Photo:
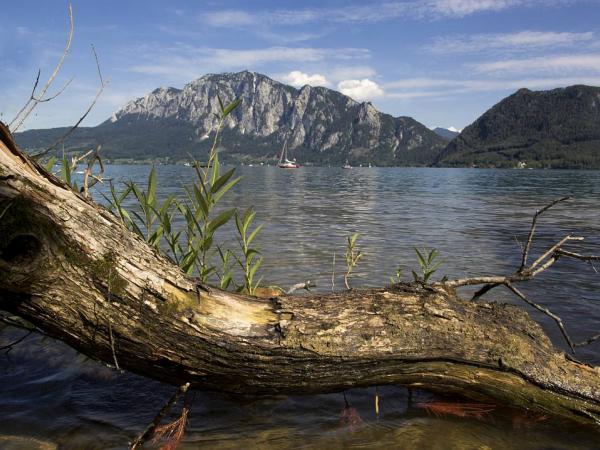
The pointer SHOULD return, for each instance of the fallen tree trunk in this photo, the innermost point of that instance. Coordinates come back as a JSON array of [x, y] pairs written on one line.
[[72, 269]]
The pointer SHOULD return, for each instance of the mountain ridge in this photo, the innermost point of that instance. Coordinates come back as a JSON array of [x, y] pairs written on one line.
[[558, 128], [322, 126]]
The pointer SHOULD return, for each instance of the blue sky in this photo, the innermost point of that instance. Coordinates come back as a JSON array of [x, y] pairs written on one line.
[[443, 62]]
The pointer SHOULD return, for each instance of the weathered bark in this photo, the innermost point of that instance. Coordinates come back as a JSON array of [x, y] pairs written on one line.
[[69, 267]]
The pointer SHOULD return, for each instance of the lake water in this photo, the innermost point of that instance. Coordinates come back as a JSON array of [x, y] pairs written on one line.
[[475, 218]]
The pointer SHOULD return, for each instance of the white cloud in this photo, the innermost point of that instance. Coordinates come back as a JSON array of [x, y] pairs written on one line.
[[383, 11], [461, 8], [560, 64], [229, 18], [411, 88], [299, 79], [184, 63], [522, 40], [364, 89]]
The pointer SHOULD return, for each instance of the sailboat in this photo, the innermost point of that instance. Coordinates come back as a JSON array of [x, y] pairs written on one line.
[[285, 163]]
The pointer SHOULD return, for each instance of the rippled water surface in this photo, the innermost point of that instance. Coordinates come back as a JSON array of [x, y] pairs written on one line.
[[50, 397]]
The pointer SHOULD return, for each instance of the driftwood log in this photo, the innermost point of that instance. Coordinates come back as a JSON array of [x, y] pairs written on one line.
[[71, 269]]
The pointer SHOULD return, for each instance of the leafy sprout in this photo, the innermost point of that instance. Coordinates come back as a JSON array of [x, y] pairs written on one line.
[[251, 259], [352, 255], [429, 263]]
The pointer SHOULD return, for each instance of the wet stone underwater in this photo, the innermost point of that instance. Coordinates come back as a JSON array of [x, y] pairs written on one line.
[[51, 397]]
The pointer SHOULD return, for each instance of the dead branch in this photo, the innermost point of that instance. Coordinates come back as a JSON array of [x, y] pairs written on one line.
[[64, 137], [149, 431], [525, 272], [587, 341], [172, 432], [561, 252], [178, 331], [546, 311], [88, 172], [35, 100], [532, 229]]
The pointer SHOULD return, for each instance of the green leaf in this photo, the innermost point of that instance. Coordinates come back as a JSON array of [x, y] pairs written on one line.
[[224, 189], [250, 253], [220, 220], [215, 167], [221, 103], [187, 262], [225, 281], [136, 229], [421, 258], [125, 215], [248, 219], [50, 163], [201, 201], [154, 240], [66, 170], [231, 107], [254, 234], [432, 255], [254, 268], [138, 217], [139, 195], [238, 224], [218, 184], [151, 194], [206, 243]]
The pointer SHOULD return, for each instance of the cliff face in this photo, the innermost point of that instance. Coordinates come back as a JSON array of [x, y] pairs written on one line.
[[321, 125], [558, 128]]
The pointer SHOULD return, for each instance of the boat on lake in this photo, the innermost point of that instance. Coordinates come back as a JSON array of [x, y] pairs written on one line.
[[347, 165], [284, 162]]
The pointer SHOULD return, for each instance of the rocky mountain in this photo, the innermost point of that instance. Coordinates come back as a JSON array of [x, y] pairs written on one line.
[[322, 126], [556, 129], [446, 133]]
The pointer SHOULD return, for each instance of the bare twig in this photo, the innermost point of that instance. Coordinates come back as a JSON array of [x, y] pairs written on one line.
[[88, 172], [519, 243], [10, 346], [554, 249], [525, 272], [532, 229], [112, 346], [149, 431], [578, 256], [544, 310], [64, 137], [110, 331], [52, 97], [587, 341], [333, 273], [33, 100], [31, 97]]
